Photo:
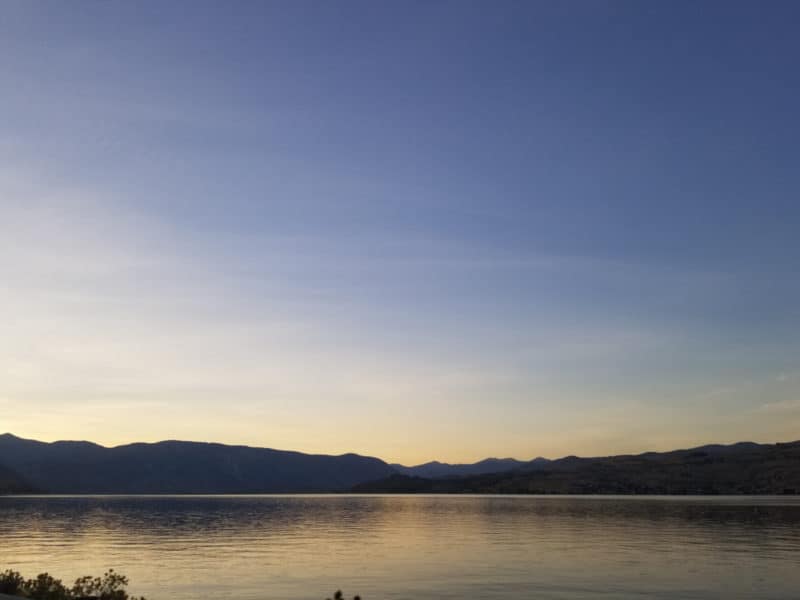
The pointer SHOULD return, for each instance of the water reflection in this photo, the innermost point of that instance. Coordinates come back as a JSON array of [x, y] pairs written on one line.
[[414, 546]]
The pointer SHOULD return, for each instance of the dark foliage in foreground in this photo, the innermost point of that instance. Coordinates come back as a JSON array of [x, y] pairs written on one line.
[[338, 596], [111, 586]]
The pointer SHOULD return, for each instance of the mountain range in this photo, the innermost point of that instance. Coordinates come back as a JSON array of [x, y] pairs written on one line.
[[436, 469], [71, 467], [175, 467], [743, 468]]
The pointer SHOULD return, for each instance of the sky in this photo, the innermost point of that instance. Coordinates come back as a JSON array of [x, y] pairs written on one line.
[[413, 230]]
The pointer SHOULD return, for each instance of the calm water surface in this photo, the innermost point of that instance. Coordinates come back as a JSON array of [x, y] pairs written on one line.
[[394, 547]]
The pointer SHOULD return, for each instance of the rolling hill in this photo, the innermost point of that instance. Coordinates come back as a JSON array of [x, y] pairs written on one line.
[[175, 467], [181, 467], [744, 468]]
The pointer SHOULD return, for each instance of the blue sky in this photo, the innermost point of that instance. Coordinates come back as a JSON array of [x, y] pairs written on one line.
[[415, 230]]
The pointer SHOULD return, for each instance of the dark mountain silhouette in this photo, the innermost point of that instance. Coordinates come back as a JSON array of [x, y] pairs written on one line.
[[194, 467], [12, 483], [181, 467], [743, 468], [436, 469]]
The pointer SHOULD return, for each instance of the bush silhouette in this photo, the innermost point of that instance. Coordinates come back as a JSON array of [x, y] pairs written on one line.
[[111, 586], [338, 596], [11, 582], [45, 587]]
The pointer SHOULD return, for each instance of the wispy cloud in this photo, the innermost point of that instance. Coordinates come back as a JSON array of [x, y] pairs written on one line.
[[781, 406]]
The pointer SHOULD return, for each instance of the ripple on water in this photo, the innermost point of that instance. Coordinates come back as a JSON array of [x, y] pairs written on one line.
[[396, 547]]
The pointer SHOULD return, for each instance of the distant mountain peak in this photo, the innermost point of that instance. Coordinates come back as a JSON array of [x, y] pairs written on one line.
[[436, 468]]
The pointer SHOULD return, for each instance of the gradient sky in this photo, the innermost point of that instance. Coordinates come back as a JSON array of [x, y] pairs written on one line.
[[414, 230]]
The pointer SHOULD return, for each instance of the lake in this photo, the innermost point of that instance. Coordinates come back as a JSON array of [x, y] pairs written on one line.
[[396, 547]]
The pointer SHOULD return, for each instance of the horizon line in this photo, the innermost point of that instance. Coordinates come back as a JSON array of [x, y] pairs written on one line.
[[388, 462]]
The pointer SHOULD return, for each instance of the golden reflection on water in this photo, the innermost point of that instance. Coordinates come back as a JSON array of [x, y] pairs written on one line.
[[396, 547]]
